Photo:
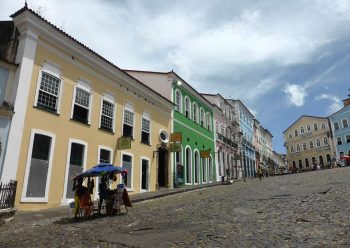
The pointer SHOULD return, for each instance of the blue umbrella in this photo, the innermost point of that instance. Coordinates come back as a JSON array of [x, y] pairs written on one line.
[[102, 169]]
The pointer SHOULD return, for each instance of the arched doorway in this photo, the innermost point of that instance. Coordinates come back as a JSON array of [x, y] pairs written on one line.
[[307, 162], [163, 171], [196, 167], [188, 165], [321, 160]]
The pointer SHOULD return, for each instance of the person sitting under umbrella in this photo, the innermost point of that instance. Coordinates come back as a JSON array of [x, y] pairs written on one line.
[[86, 204]]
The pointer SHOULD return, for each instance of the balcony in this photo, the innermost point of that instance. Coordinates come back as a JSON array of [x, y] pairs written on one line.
[[227, 140]]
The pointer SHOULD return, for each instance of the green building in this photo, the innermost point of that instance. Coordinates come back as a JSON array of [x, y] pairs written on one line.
[[191, 143]]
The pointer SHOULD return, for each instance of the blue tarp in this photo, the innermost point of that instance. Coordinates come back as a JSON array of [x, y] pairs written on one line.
[[102, 169]]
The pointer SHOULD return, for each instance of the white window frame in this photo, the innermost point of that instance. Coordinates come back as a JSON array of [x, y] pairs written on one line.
[[308, 128], [208, 121], [64, 200], [179, 104], [54, 70], [304, 146], [302, 131], [188, 108], [311, 144], [131, 189], [323, 126], [130, 108], [290, 135], [109, 98], [146, 116], [346, 138], [202, 117], [86, 86], [210, 164], [325, 141], [298, 148], [149, 173], [316, 124], [195, 107], [296, 133], [318, 143], [346, 121], [341, 141], [24, 198], [99, 148], [336, 124]]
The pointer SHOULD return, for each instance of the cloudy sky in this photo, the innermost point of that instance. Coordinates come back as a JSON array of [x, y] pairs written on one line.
[[283, 59]]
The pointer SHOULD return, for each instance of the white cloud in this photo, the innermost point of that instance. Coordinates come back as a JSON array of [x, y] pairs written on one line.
[[335, 102], [296, 94]]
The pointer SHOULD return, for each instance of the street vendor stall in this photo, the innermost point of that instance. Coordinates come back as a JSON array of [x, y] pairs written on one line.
[[113, 197]]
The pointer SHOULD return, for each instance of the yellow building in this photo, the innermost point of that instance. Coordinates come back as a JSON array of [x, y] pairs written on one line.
[[71, 107], [308, 142]]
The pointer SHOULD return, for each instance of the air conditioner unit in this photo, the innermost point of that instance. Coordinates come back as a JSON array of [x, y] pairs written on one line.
[[164, 136]]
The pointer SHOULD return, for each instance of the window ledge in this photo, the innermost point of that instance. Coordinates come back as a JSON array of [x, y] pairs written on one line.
[[144, 143], [81, 122], [46, 110], [106, 130]]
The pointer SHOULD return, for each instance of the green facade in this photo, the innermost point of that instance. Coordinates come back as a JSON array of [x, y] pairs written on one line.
[[195, 138]]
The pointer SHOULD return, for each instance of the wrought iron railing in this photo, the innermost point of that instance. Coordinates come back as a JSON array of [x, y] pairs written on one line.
[[8, 194]]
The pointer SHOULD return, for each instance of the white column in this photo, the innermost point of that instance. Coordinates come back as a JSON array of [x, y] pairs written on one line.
[[22, 80]]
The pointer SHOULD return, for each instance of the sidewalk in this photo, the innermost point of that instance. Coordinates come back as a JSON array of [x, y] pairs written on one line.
[[26, 216]]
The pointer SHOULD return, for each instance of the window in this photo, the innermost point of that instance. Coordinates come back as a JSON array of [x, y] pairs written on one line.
[[318, 143], [290, 135], [336, 126], [188, 165], [145, 132], [292, 149], [195, 113], [222, 129], [311, 144], [296, 132], [339, 140], [315, 126], [38, 170], [323, 126], [128, 125], [127, 163], [341, 154], [81, 108], [76, 165], [49, 91], [107, 115], [345, 123], [304, 146], [347, 138], [217, 126], [208, 122], [187, 107], [298, 148], [144, 174], [105, 156], [325, 141], [302, 130], [308, 128], [202, 118], [178, 101]]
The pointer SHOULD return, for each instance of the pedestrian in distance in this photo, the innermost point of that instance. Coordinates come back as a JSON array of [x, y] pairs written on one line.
[[260, 172]]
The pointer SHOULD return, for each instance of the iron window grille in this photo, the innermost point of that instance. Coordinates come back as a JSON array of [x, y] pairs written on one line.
[[128, 123], [48, 92], [81, 105], [107, 115], [145, 132]]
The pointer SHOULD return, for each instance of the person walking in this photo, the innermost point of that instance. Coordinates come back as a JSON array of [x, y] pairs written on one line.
[[260, 172], [79, 191]]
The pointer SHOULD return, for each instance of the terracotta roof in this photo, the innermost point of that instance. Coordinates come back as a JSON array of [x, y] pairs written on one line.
[[25, 8]]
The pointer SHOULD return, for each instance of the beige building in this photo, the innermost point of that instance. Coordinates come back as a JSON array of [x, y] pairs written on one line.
[[72, 106], [308, 142]]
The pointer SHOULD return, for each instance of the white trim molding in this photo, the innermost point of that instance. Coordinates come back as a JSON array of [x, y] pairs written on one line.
[[24, 198]]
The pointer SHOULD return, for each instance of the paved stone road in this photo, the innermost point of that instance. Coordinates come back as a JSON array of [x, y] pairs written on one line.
[[300, 210]]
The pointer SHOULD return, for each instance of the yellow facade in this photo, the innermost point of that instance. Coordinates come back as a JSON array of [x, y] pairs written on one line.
[[72, 69], [308, 142]]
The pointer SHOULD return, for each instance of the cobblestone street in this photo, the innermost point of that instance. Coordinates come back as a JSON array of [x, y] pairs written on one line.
[[299, 210]]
